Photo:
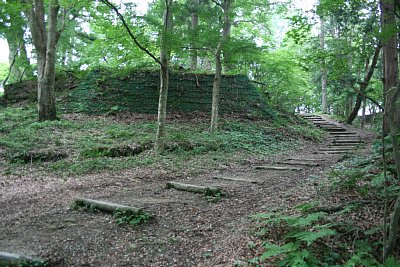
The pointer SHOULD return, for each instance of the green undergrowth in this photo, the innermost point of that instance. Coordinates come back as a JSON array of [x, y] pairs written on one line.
[[132, 219], [341, 226], [80, 144]]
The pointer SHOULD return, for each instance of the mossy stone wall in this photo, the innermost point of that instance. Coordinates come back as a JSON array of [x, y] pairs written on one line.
[[102, 92], [106, 90]]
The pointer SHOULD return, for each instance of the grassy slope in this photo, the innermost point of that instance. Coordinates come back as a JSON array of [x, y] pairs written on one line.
[[78, 144]]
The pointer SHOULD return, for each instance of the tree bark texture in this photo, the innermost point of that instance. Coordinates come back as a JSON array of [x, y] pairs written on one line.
[[363, 86], [226, 6], [164, 80], [323, 69], [45, 41]]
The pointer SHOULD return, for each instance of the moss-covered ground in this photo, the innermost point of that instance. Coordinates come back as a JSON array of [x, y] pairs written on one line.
[[79, 144]]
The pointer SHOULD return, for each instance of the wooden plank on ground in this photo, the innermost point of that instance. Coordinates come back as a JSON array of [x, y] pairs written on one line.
[[236, 179], [277, 168]]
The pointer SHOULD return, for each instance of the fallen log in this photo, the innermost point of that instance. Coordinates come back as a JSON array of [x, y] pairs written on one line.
[[277, 168], [206, 190], [10, 259], [104, 206]]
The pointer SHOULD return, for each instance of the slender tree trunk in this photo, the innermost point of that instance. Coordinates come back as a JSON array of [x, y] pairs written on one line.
[[363, 86], [194, 28], [390, 56], [45, 41], [163, 61], [215, 95], [226, 6], [391, 96], [323, 68], [164, 80]]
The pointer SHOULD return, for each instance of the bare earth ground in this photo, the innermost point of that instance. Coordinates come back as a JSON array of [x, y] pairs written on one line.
[[36, 218]]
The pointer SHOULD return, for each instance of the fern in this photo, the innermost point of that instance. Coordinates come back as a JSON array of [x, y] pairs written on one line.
[[309, 236], [305, 221], [275, 250]]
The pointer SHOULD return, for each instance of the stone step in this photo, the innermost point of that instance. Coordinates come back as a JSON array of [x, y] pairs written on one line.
[[339, 146], [332, 152], [347, 141], [297, 163], [325, 125], [345, 137], [342, 133], [312, 118], [277, 168], [236, 179], [317, 120], [304, 159], [335, 129], [337, 149], [309, 116]]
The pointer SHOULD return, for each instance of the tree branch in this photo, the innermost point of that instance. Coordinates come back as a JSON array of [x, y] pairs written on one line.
[[259, 83], [217, 3], [121, 17]]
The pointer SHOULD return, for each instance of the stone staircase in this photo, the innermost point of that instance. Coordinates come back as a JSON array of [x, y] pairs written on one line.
[[341, 140]]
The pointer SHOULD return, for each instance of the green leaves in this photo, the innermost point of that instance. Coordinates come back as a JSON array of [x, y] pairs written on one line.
[[275, 250], [313, 234]]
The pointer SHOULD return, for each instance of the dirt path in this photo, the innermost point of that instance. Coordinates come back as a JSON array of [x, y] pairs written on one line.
[[36, 218]]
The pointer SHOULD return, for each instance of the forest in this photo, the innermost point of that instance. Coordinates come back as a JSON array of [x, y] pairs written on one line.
[[199, 133]]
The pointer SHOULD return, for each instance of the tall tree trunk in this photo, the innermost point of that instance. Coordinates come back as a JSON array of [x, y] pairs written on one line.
[[391, 96], [390, 56], [323, 68], [226, 6], [194, 28], [392, 110], [45, 41], [363, 86], [164, 80]]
